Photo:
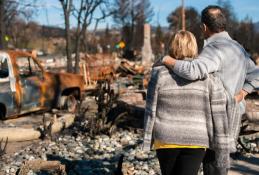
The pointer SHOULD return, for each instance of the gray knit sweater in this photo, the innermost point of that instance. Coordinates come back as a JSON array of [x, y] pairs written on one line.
[[184, 112], [227, 57]]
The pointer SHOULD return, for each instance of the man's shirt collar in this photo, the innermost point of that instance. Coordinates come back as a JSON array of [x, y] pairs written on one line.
[[217, 36]]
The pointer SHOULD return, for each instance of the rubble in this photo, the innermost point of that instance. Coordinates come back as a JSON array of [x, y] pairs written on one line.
[[40, 165], [82, 154], [105, 99], [16, 134], [129, 67], [97, 67], [249, 132], [252, 110], [87, 145], [3, 145]]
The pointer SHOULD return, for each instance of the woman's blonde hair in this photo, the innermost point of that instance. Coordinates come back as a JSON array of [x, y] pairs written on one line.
[[183, 45]]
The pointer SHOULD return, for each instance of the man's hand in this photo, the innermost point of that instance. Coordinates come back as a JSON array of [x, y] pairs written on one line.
[[240, 96], [168, 61]]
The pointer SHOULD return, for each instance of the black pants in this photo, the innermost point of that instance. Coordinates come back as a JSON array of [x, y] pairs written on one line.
[[180, 161], [208, 165]]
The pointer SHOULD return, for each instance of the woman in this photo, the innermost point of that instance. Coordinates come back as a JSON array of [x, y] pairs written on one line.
[[179, 113]]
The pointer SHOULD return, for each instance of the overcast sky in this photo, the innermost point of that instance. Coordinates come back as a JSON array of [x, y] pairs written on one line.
[[50, 13]]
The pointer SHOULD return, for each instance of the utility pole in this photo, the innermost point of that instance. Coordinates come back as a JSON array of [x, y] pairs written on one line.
[[183, 16]]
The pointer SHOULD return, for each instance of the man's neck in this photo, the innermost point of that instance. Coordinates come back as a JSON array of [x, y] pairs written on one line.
[[210, 34]]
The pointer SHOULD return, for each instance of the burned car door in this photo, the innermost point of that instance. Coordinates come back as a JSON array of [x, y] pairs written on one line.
[[31, 78], [7, 87]]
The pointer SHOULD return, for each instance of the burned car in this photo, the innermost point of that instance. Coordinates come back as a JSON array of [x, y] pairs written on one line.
[[26, 87]]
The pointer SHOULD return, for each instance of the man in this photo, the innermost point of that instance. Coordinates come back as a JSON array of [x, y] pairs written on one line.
[[223, 55]]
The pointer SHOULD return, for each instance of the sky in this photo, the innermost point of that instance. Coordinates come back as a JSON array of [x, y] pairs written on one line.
[[50, 12]]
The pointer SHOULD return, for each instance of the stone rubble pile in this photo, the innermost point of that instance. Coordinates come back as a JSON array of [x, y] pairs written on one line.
[[85, 155]]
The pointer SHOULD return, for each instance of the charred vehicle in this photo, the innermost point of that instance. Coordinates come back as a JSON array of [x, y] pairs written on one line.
[[26, 87]]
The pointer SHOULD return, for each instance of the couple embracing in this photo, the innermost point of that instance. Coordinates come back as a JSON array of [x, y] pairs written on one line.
[[195, 102]]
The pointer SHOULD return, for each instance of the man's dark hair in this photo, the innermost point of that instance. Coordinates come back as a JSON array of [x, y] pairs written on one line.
[[213, 17]]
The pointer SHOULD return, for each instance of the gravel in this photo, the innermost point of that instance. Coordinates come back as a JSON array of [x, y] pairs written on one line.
[[83, 154]]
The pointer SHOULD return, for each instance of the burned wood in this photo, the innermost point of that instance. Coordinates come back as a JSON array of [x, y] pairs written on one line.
[[249, 131], [130, 68], [58, 124], [41, 165], [25, 134], [3, 145], [252, 108], [105, 98], [97, 67], [253, 116], [19, 134], [47, 128], [126, 68], [62, 122]]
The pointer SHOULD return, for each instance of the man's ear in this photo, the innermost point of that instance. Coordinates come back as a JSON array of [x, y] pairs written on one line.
[[205, 28]]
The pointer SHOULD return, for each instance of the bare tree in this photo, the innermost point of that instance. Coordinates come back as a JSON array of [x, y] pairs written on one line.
[[85, 15], [192, 22], [9, 11], [130, 16], [23, 33], [84, 12], [230, 15], [67, 10], [158, 42], [123, 17], [245, 34], [144, 15], [2, 25], [122, 11]]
